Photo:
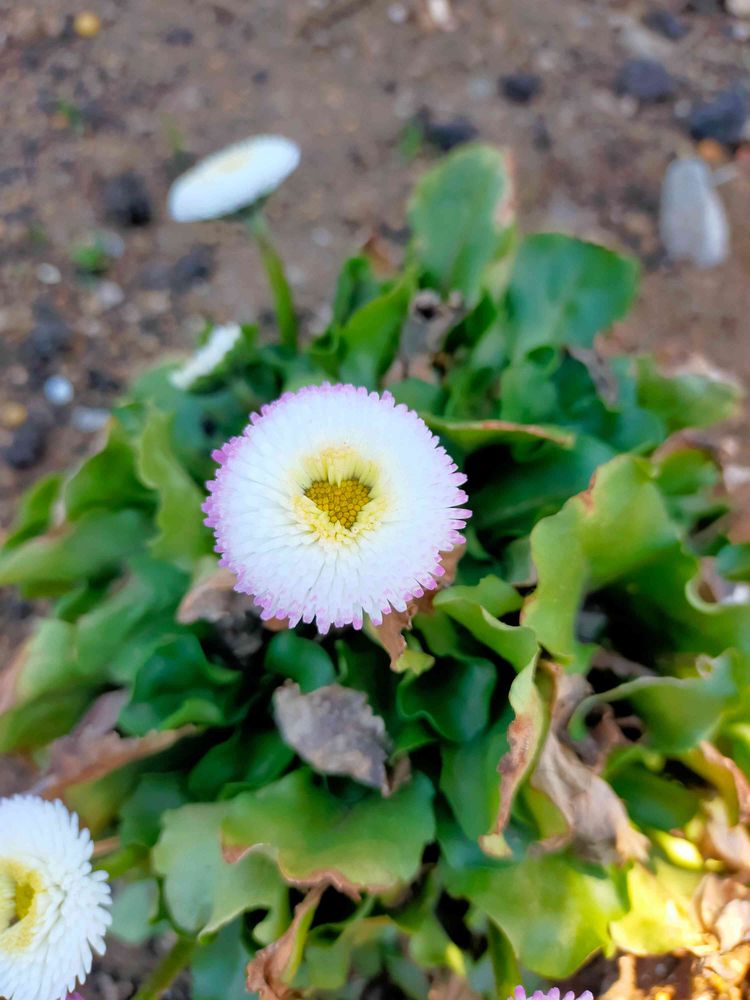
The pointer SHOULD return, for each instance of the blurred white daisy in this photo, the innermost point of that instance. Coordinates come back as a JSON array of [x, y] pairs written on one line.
[[554, 994], [221, 340], [233, 178], [333, 504], [53, 907]]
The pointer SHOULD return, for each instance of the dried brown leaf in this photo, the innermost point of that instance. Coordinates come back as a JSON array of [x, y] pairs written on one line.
[[728, 842], [94, 749], [267, 971], [596, 818], [213, 598], [723, 909], [390, 631], [451, 986], [724, 773], [522, 743], [335, 730]]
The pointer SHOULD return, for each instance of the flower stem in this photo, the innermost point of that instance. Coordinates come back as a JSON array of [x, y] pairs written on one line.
[[167, 970], [282, 293]]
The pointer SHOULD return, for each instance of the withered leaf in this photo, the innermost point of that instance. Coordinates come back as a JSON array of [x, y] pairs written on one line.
[[94, 749], [213, 598], [266, 973], [390, 632], [728, 842], [596, 818], [723, 909], [335, 730], [451, 986], [725, 774]]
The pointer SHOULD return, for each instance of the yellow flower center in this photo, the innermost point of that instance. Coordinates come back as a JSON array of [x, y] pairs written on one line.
[[340, 494], [20, 888], [342, 502]]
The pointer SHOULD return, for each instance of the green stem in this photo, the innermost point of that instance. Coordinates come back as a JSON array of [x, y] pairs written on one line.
[[282, 293], [167, 970]]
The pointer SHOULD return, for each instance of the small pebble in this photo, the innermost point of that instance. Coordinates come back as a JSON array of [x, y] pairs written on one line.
[[108, 294], [722, 118], [87, 24], [667, 24], [179, 35], [321, 237], [48, 274], [479, 88], [693, 224], [397, 13], [195, 266], [12, 414], [520, 88], [646, 80], [446, 135], [88, 419], [58, 390]]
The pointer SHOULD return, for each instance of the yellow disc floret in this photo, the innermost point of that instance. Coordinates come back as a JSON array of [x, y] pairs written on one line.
[[19, 890], [342, 502]]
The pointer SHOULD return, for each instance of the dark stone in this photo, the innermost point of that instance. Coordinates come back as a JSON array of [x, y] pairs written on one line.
[[722, 119], [261, 76], [8, 175], [179, 35], [49, 337], [126, 200], [28, 445], [197, 265], [703, 6], [646, 80], [665, 23], [520, 87], [446, 135], [100, 381]]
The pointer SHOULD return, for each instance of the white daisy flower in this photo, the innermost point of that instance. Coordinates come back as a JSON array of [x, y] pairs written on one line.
[[333, 504], [53, 907], [208, 357], [233, 178]]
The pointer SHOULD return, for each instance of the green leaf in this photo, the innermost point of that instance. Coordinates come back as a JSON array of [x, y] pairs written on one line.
[[733, 561], [117, 636], [685, 400], [134, 911], [554, 910], [454, 696], [473, 607], [243, 761], [469, 777], [90, 547], [661, 916], [177, 685], [35, 510], [283, 300], [356, 286], [202, 891], [301, 660], [653, 800], [619, 525], [182, 535], [218, 968], [452, 213], [140, 814], [471, 435], [107, 479], [370, 339], [336, 834], [564, 291]]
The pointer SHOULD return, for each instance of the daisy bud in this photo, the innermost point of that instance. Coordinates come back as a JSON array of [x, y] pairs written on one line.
[[232, 179], [53, 907], [335, 503], [209, 357]]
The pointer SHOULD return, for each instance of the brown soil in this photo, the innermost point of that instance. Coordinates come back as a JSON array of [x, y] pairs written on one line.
[[165, 80]]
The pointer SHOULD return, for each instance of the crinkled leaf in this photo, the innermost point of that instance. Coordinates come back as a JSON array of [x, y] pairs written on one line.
[[335, 731], [203, 892], [564, 291], [454, 696], [182, 533], [575, 550], [452, 216], [94, 545], [555, 911], [690, 400], [179, 685], [335, 840], [35, 511]]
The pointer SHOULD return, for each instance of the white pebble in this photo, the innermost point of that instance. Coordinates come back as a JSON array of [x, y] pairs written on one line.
[[88, 418], [109, 294], [397, 13], [321, 236], [58, 390], [693, 224], [48, 274]]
